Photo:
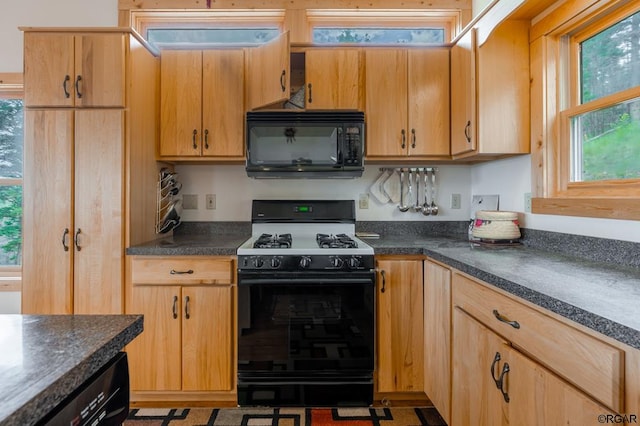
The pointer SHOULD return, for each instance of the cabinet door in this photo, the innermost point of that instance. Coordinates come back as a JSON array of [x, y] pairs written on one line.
[[437, 336], [207, 326], [47, 286], [386, 102], [400, 317], [332, 79], [99, 79], [155, 355], [428, 103], [268, 75], [223, 103], [463, 94], [478, 353], [538, 397], [48, 69], [180, 103], [99, 211]]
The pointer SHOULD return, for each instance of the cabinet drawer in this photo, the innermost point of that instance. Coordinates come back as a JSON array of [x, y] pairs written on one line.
[[591, 364], [182, 270]]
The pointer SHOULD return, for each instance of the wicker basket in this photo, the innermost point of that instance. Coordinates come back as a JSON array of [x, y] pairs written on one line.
[[496, 225]]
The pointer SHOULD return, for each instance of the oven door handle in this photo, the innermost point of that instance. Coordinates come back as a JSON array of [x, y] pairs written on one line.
[[322, 281]]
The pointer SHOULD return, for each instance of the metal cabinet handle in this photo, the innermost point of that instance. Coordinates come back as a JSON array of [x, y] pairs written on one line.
[[174, 272], [282, 76], [65, 234], [187, 313], [78, 80], [466, 131], [413, 138], [502, 318], [195, 133], [493, 367], [206, 138], [175, 307], [64, 86], [309, 87], [75, 239], [505, 370], [384, 281], [404, 139]]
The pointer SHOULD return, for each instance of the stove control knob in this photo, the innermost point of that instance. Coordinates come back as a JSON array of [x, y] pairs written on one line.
[[305, 262], [275, 262], [354, 262], [258, 262], [336, 261]]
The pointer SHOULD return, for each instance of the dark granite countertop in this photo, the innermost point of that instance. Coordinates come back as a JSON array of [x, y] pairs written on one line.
[[599, 295], [45, 357], [187, 245]]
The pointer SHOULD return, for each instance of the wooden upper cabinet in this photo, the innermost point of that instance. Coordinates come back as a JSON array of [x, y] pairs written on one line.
[[223, 103], [74, 70], [332, 79], [490, 93], [268, 73], [463, 94], [202, 103], [180, 103], [407, 103]]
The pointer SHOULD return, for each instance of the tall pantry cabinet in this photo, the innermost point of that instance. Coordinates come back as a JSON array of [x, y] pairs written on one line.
[[90, 132]]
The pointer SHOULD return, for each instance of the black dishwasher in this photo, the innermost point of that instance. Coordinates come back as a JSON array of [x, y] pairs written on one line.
[[102, 400]]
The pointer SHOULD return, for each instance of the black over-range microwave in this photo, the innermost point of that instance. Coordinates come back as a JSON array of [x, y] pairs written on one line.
[[305, 144]]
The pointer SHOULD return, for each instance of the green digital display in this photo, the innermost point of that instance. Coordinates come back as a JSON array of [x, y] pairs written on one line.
[[303, 209]]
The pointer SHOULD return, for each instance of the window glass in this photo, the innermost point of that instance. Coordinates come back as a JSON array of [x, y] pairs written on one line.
[[372, 35], [11, 147], [610, 60], [606, 143], [199, 37]]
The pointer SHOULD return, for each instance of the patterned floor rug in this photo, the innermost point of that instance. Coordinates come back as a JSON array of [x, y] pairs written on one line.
[[395, 416]]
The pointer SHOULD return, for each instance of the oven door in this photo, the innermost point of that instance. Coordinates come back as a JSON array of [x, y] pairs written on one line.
[[306, 334]]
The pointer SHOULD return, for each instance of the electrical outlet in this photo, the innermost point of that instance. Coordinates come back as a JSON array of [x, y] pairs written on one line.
[[527, 202], [190, 201], [211, 201], [456, 201], [363, 201]]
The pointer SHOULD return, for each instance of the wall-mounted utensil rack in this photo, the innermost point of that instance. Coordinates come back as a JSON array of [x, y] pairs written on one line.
[[168, 204], [414, 189]]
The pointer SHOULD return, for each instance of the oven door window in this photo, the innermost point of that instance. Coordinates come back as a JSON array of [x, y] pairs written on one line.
[[295, 328]]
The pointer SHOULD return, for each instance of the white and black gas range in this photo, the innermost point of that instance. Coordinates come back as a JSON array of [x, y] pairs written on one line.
[[306, 307]]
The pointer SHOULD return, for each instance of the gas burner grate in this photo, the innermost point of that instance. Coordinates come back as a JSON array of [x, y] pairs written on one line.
[[273, 241], [335, 241]]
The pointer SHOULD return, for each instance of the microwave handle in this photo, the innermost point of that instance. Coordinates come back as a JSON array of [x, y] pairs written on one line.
[[341, 146]]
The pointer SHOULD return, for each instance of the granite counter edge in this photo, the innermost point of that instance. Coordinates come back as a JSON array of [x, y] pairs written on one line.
[[42, 404]]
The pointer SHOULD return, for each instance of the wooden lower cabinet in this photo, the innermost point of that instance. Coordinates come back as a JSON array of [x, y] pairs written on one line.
[[495, 384], [188, 338], [437, 336], [400, 315]]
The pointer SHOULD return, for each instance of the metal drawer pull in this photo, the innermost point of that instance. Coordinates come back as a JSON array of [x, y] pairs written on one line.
[[195, 133], [78, 80], [64, 239], [64, 86], [501, 318], [206, 138], [493, 370], [310, 97], [282, 82], [75, 239], [384, 281], [174, 272], [187, 314], [505, 370], [404, 138], [175, 307], [413, 138], [466, 131]]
